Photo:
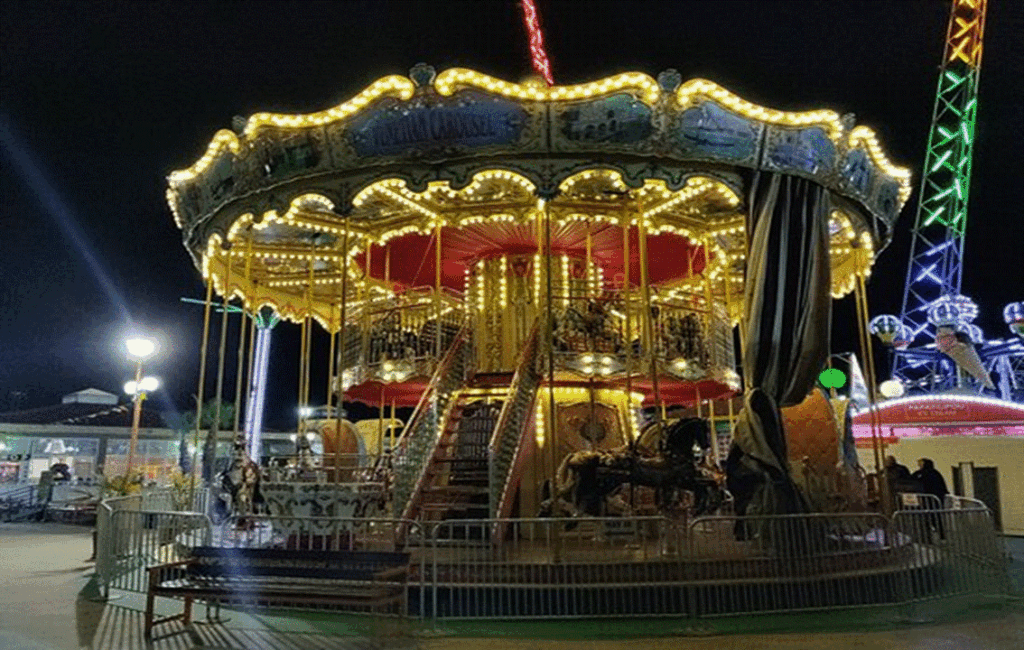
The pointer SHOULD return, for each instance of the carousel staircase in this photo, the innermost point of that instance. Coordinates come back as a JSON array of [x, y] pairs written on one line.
[[456, 479], [469, 470]]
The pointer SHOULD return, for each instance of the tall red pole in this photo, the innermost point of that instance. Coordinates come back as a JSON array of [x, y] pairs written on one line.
[[537, 53]]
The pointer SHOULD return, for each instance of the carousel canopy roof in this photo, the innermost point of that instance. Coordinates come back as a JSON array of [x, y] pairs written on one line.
[[290, 210]]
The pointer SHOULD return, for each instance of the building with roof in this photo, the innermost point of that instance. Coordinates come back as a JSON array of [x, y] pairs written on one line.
[[89, 431], [977, 444]]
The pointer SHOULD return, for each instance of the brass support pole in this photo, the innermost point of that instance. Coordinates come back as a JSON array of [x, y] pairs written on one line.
[[240, 366], [437, 291], [302, 374], [331, 353], [343, 347], [860, 297], [380, 424], [248, 380], [365, 340], [201, 391], [648, 324], [590, 263], [308, 361], [715, 454], [627, 312], [709, 331], [552, 417], [221, 357]]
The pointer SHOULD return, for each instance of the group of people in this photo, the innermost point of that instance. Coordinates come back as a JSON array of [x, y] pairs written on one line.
[[926, 480]]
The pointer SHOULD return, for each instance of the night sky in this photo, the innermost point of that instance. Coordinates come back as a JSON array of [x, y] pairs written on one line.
[[100, 101]]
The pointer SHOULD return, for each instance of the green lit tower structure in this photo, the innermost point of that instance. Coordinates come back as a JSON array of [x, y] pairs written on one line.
[[931, 296]]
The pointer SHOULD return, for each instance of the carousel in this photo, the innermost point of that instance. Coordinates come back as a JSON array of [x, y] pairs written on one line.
[[567, 284]]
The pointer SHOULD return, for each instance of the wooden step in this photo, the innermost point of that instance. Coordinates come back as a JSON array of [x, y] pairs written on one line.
[[467, 490], [491, 380]]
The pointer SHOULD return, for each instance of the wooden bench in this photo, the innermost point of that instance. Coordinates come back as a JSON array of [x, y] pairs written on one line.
[[267, 577]]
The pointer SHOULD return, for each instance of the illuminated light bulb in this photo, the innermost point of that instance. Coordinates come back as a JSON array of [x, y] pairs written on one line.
[[943, 313]]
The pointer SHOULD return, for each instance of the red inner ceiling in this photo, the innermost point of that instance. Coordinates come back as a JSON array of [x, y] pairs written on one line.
[[671, 257]]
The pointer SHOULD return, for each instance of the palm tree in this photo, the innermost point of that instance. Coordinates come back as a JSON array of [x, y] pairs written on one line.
[[213, 425]]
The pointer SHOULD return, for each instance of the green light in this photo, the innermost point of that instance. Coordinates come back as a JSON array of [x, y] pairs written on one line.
[[941, 160], [954, 78], [941, 194], [969, 105], [832, 378], [959, 190], [967, 136], [946, 133], [934, 215]]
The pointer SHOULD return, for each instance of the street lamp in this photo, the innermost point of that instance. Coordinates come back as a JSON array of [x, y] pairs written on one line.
[[139, 349]]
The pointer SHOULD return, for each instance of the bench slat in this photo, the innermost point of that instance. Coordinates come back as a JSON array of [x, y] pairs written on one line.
[[295, 555], [243, 572]]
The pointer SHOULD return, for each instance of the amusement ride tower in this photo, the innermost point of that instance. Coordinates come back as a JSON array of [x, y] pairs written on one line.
[[935, 344]]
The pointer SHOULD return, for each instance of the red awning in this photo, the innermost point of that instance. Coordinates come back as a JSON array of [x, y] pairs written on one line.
[[944, 409], [374, 393]]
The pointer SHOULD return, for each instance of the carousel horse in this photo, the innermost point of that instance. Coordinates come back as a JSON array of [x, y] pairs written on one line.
[[589, 481], [240, 485]]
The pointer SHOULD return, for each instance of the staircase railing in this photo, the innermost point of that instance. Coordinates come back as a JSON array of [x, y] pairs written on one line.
[[18, 503], [419, 439], [505, 451]]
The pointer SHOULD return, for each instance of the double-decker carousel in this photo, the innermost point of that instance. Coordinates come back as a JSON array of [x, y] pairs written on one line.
[[552, 278]]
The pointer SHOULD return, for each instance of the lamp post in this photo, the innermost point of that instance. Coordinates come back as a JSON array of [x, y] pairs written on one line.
[[139, 349]]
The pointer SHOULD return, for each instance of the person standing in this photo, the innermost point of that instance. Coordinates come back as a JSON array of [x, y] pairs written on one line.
[[898, 478], [932, 483]]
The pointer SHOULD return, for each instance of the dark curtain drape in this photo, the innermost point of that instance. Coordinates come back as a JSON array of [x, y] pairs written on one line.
[[788, 319]]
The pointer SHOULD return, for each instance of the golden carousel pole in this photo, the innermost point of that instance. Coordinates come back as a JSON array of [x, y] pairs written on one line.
[[550, 332], [437, 294], [221, 357], [627, 312], [339, 375], [248, 380], [863, 315], [240, 367], [709, 341], [715, 455], [309, 330], [626, 294], [302, 359], [648, 324], [380, 421], [365, 335], [201, 391], [332, 369]]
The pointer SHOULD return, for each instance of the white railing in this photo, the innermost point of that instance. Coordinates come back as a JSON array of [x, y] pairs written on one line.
[[954, 502]]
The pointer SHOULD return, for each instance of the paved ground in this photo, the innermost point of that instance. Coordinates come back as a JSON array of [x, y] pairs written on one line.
[[46, 603]]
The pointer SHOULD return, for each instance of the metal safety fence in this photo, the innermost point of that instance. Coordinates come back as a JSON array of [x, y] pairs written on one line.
[[761, 564], [318, 533], [552, 568], [590, 567], [135, 540], [118, 544], [956, 552]]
